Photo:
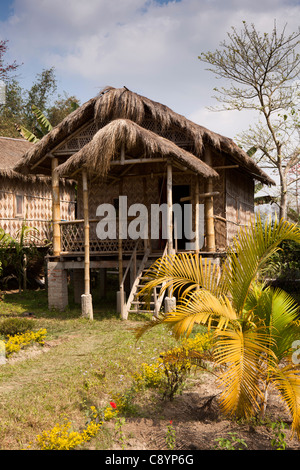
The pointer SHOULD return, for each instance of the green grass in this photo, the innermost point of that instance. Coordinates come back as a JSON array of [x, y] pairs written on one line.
[[87, 363]]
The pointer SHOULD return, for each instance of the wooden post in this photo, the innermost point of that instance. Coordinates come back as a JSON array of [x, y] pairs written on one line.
[[209, 209], [86, 234], [55, 209], [86, 298], [169, 301], [170, 211], [197, 215]]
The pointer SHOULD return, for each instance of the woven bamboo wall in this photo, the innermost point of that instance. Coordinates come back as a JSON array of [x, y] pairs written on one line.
[[232, 207], [37, 205], [220, 204], [148, 190], [239, 201]]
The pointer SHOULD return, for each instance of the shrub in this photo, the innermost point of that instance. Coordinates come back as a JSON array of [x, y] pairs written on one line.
[[169, 372], [15, 326], [61, 437], [19, 341]]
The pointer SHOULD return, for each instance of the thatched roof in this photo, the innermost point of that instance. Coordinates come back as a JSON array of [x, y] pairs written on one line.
[[121, 103], [139, 142], [11, 150]]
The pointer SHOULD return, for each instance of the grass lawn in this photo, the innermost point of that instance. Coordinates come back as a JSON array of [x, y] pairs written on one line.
[[87, 363], [82, 363]]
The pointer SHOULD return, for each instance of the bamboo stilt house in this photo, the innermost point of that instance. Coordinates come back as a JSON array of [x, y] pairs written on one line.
[[125, 150], [28, 199]]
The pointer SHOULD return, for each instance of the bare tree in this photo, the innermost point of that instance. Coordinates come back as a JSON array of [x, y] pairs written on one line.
[[263, 70], [5, 69]]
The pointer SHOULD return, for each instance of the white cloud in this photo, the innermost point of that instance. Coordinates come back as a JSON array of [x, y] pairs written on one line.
[[151, 48]]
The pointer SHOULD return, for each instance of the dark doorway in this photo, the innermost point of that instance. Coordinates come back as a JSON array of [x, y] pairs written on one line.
[[179, 192]]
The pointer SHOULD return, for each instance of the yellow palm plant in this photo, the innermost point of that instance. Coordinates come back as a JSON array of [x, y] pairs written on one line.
[[254, 325]]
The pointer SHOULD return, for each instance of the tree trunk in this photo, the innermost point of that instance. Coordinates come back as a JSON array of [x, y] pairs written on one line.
[[283, 195]]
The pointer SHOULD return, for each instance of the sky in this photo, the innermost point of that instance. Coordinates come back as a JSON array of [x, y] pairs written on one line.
[[150, 46]]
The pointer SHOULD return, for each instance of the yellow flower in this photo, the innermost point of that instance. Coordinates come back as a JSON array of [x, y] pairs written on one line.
[[60, 437], [19, 341]]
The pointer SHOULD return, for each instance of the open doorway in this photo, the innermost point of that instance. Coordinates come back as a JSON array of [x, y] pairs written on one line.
[[180, 191]]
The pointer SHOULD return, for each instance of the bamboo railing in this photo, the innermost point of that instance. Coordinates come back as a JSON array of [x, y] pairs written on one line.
[[72, 239]]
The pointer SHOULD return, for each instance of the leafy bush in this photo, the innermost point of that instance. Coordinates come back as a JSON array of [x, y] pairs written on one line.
[[61, 437], [16, 342], [169, 372], [14, 326]]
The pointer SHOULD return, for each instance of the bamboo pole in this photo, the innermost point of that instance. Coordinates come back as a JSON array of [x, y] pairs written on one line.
[[55, 208], [86, 298], [86, 234], [197, 215], [169, 221], [209, 209], [121, 293], [170, 211]]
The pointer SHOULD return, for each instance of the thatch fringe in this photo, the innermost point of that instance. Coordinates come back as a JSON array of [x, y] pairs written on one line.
[[68, 125], [121, 103], [138, 142]]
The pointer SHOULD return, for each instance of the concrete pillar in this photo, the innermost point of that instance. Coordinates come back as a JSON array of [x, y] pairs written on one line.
[[87, 306], [57, 285], [78, 283], [170, 304]]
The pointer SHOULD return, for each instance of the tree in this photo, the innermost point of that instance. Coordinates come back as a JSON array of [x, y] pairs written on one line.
[[12, 111], [39, 95], [255, 326], [263, 70], [43, 124], [5, 69], [61, 108], [30, 109]]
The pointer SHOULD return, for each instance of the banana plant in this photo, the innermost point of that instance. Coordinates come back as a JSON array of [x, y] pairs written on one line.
[[254, 325], [43, 129]]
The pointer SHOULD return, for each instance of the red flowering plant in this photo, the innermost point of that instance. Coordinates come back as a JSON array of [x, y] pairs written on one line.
[[170, 436], [110, 411]]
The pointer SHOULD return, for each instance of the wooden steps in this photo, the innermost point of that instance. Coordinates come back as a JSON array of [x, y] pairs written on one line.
[[137, 302]]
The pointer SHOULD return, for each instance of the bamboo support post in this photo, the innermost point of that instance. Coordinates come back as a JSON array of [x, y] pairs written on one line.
[[197, 215], [55, 209], [86, 298], [170, 218], [170, 209], [121, 294], [209, 209]]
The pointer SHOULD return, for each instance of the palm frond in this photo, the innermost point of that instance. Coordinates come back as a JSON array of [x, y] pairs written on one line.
[[278, 311], [198, 307], [287, 382], [185, 272], [249, 253], [240, 351]]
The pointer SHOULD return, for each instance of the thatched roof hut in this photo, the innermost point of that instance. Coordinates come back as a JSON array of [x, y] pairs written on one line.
[[28, 196], [11, 150], [121, 103], [138, 142], [123, 145]]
